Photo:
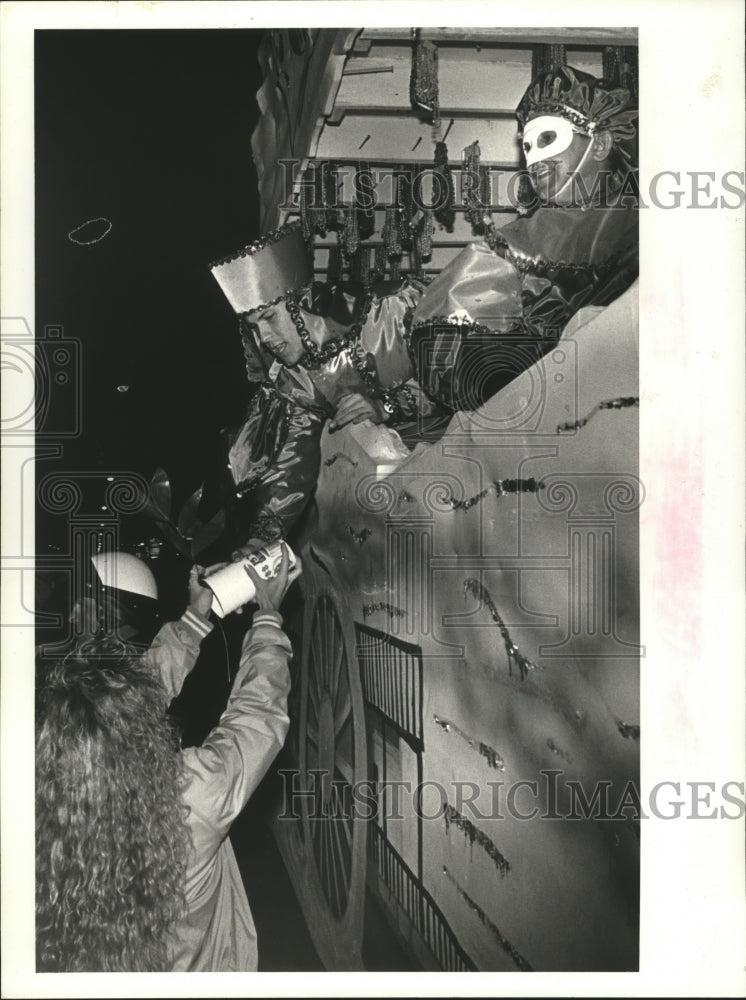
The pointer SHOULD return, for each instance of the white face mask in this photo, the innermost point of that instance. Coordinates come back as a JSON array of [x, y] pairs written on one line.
[[562, 130]]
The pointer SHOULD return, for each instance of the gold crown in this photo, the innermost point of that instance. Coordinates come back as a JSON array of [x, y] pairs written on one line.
[[263, 272]]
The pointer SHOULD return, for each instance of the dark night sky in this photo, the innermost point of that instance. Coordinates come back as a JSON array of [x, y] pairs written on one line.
[[151, 130]]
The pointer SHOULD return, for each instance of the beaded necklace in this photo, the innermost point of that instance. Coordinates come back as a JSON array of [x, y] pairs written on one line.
[[314, 356], [398, 401]]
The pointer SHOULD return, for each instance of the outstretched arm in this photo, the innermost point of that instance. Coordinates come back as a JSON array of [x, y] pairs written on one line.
[[236, 755], [174, 651], [288, 484]]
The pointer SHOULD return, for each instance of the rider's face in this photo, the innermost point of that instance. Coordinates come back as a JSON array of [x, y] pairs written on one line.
[[552, 176], [276, 331]]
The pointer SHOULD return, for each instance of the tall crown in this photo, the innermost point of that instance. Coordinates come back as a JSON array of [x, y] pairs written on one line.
[[265, 271]]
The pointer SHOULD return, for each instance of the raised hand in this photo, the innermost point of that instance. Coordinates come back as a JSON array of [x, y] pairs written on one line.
[[269, 593], [354, 408], [200, 596]]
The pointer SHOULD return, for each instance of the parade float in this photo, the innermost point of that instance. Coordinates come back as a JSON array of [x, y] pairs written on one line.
[[470, 644]]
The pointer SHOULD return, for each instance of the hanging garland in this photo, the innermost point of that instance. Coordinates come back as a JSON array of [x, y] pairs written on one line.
[[390, 235], [307, 191], [545, 58], [380, 261], [425, 235], [620, 68], [444, 197], [365, 201], [318, 200], [422, 240], [361, 269], [318, 216], [423, 78], [330, 175], [404, 204], [351, 235], [478, 190]]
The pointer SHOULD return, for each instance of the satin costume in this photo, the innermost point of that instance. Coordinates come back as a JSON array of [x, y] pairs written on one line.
[[503, 303], [351, 344]]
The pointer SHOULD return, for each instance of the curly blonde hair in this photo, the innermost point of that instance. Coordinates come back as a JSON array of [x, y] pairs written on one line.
[[111, 836]]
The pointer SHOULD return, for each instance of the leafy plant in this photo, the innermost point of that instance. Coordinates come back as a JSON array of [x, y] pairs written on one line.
[[188, 534]]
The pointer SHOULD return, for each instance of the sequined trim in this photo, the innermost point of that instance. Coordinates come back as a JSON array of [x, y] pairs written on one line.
[[564, 111], [266, 305], [264, 241], [541, 265]]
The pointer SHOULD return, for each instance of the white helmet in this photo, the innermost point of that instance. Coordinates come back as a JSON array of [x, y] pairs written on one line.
[[127, 601], [122, 571]]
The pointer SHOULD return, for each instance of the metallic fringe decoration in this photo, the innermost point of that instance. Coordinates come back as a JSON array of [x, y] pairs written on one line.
[[545, 58], [443, 206], [478, 193], [422, 245], [620, 68], [318, 214], [423, 79], [390, 235], [306, 208], [318, 201], [485, 192], [366, 219], [426, 237], [331, 188], [360, 270], [351, 239], [470, 168], [380, 261], [405, 204]]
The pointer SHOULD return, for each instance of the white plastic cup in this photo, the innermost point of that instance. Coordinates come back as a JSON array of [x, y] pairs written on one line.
[[232, 587]]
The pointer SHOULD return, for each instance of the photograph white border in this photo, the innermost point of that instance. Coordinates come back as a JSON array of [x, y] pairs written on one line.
[[693, 927]]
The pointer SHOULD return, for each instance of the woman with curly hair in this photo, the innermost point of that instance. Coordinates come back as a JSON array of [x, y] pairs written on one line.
[[135, 871], [111, 824]]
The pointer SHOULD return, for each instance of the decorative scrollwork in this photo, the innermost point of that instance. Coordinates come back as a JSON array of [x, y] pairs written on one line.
[[441, 495], [374, 495], [558, 496], [59, 494], [127, 494], [624, 495], [596, 496]]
